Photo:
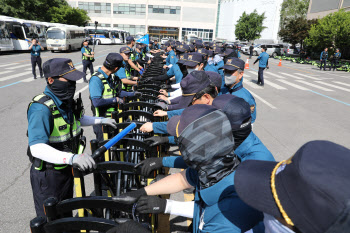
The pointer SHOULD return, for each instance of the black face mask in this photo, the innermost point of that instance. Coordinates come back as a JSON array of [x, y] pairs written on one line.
[[241, 135], [207, 146], [63, 90], [183, 70]]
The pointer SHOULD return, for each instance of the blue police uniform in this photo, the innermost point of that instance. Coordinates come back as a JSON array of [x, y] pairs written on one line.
[[263, 63], [121, 72], [219, 66], [36, 60], [171, 58], [323, 58], [175, 71], [219, 209], [335, 61], [239, 91], [156, 46], [40, 122], [87, 61]]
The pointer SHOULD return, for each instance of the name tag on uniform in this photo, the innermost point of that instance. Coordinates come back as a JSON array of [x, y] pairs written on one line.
[[62, 127], [36, 53]]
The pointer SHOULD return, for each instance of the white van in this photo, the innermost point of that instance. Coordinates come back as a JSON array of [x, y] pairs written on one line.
[[64, 38]]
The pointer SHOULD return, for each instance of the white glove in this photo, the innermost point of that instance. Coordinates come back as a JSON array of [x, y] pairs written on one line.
[[109, 122], [83, 161]]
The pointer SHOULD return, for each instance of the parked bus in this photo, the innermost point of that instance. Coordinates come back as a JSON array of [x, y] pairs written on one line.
[[6, 43], [64, 38], [124, 35], [117, 36], [103, 35]]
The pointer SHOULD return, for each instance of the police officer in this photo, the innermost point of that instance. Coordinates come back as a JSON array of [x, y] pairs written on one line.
[[88, 58], [335, 60], [124, 73], [35, 49], [171, 55], [251, 50], [323, 59], [134, 67], [156, 46], [263, 64], [234, 70], [54, 134], [106, 91]]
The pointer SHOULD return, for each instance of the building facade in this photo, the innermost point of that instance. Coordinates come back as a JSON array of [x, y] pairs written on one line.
[[321, 8], [171, 18], [231, 10]]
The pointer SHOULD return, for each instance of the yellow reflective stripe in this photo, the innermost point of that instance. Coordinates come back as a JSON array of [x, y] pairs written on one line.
[[63, 138]]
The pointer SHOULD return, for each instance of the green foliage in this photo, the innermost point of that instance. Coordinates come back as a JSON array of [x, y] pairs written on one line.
[[250, 26], [331, 31], [296, 30], [293, 9], [43, 10]]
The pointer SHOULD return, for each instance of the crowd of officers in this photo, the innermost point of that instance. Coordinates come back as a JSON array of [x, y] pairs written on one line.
[[238, 185]]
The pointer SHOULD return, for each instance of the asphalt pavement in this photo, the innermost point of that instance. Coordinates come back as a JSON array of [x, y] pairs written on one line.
[[298, 104]]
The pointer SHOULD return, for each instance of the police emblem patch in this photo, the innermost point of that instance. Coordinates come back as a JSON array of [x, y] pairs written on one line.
[[190, 57], [71, 66]]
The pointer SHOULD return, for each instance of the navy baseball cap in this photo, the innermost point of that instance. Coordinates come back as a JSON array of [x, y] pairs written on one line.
[[130, 38], [234, 63], [182, 58], [190, 85], [183, 48], [217, 50], [151, 41], [236, 109], [114, 60], [167, 44], [227, 52], [202, 51], [210, 53], [61, 67], [192, 49], [125, 50], [215, 78], [177, 124], [198, 43], [312, 187], [194, 59]]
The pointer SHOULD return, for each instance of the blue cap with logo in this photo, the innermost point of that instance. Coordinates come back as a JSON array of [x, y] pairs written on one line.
[[194, 59], [234, 63], [129, 39], [125, 50], [182, 58], [61, 67], [311, 188], [202, 51], [182, 48]]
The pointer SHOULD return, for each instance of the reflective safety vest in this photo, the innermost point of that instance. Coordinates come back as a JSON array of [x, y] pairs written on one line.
[[88, 52], [107, 93], [64, 137]]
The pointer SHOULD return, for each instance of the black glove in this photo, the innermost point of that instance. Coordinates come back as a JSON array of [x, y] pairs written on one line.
[[130, 197], [137, 94], [165, 86], [156, 140], [146, 80], [161, 105], [129, 227], [149, 165], [151, 205]]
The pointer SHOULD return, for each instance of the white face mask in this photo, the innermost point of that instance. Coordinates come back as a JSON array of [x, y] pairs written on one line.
[[210, 61], [272, 225], [189, 70], [230, 79]]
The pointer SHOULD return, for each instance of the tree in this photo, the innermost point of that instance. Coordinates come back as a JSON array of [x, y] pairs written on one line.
[[250, 26], [296, 30], [293, 9], [331, 31], [69, 15], [41, 10]]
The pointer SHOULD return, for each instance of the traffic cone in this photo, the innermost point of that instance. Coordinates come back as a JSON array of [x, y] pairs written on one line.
[[247, 65], [280, 64]]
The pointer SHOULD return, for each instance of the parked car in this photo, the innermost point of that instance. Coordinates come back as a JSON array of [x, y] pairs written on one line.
[[245, 49], [290, 50], [271, 49], [164, 40]]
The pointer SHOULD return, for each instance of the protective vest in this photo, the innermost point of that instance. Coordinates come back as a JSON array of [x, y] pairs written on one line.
[[324, 55], [64, 137], [107, 93], [88, 52], [337, 55]]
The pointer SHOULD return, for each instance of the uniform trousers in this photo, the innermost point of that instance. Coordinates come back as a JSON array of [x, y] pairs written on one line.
[[36, 60], [261, 75], [50, 183]]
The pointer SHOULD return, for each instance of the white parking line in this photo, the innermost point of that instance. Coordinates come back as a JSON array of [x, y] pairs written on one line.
[[16, 66], [345, 84], [331, 85], [314, 85], [6, 71], [277, 76], [293, 85], [275, 85], [17, 75], [251, 84], [290, 75], [246, 76], [262, 100], [308, 76], [9, 64]]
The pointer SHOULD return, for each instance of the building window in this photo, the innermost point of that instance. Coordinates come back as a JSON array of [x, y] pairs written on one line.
[[156, 9], [132, 29], [95, 7], [204, 34], [100, 24], [129, 9]]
